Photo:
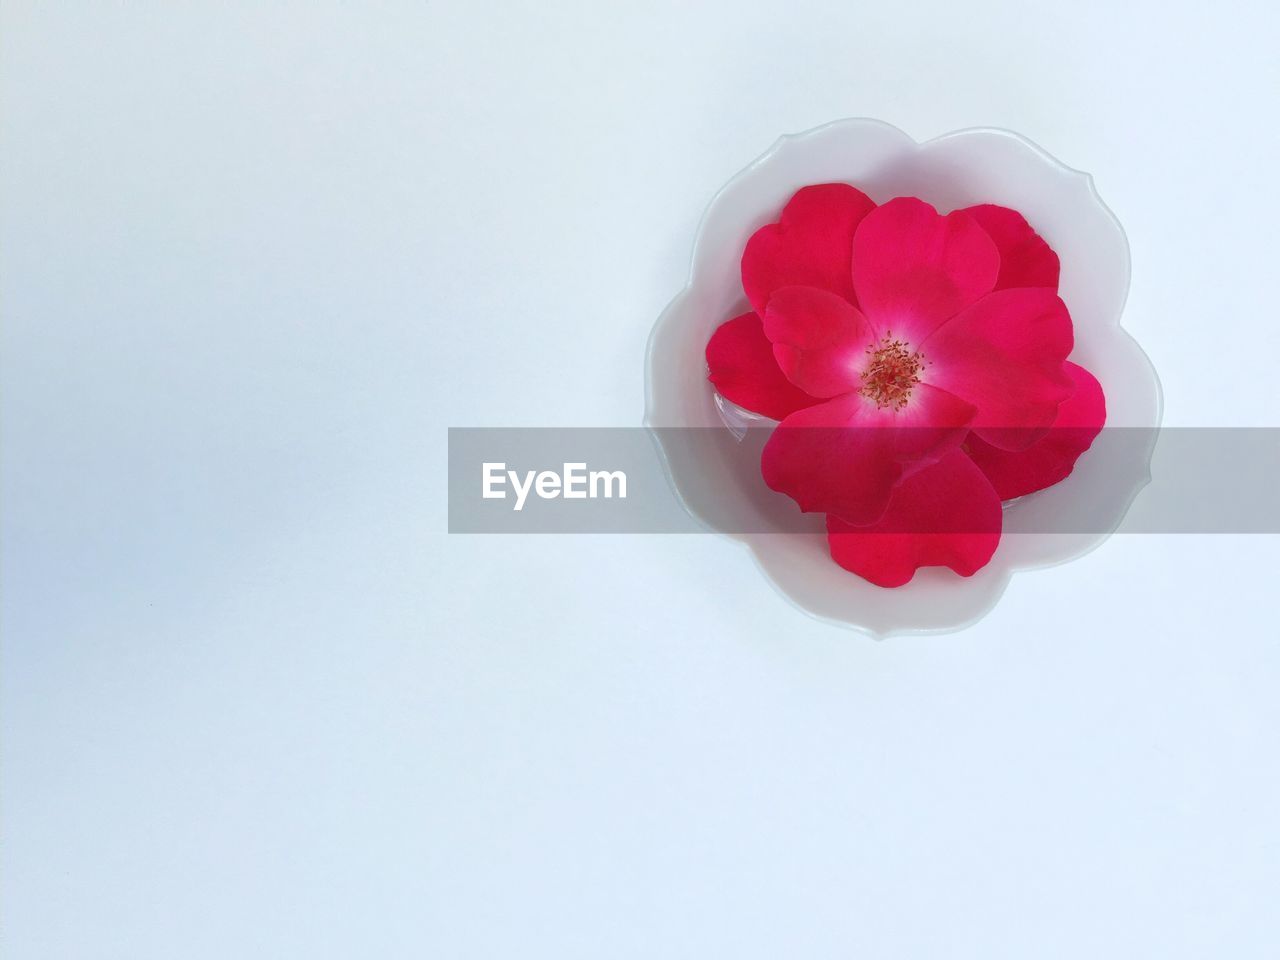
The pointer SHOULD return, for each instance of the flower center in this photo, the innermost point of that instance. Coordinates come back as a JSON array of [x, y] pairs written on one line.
[[894, 369]]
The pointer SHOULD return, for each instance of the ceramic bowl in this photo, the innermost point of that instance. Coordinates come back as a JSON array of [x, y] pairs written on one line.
[[956, 170]]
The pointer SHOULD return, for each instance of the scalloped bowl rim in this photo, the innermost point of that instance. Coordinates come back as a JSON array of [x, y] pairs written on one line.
[[753, 547]]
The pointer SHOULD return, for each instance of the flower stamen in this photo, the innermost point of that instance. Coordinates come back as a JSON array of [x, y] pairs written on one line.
[[894, 369]]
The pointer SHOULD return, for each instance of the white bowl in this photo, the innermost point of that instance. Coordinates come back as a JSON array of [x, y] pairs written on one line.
[[956, 170]]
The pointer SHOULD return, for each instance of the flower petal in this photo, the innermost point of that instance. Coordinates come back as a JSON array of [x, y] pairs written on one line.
[[1025, 259], [951, 500], [845, 456], [820, 340], [1052, 458], [1004, 355], [913, 268], [742, 368], [811, 245]]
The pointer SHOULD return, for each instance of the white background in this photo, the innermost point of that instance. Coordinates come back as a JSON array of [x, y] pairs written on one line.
[[256, 703]]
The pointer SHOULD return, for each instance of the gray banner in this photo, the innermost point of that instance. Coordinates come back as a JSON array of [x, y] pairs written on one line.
[[616, 480]]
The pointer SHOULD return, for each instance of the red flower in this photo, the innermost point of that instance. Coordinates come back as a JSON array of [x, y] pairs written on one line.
[[917, 363]]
